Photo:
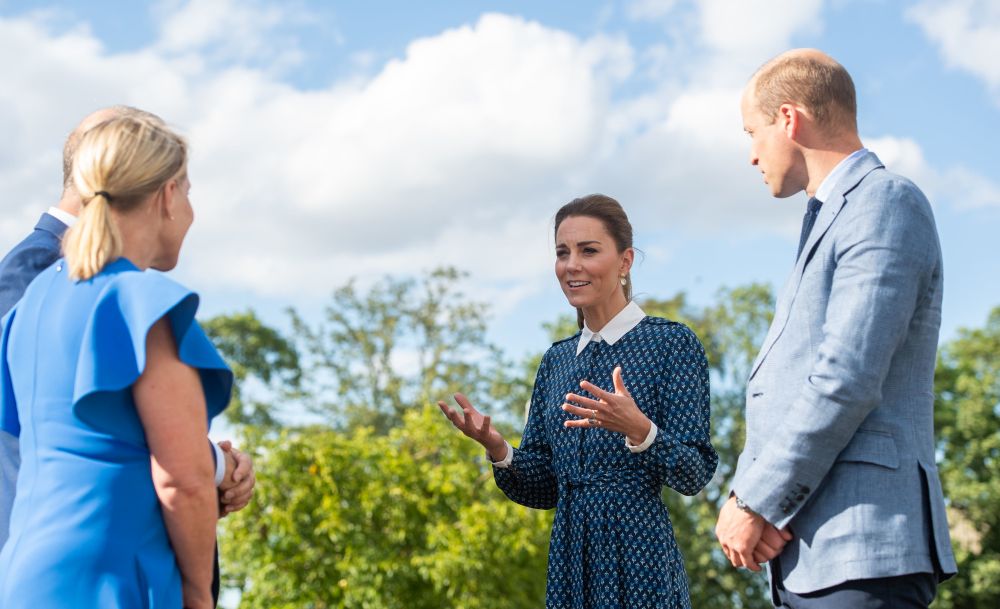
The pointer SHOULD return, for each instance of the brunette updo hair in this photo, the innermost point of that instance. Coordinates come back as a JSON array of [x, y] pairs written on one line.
[[615, 221]]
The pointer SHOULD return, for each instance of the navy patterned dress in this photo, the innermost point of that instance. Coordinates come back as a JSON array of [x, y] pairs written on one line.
[[612, 544]]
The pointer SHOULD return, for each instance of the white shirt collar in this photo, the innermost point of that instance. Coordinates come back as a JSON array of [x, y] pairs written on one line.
[[63, 216], [620, 324], [826, 186]]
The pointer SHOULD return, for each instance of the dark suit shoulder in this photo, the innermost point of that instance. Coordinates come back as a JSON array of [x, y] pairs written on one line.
[[23, 263]]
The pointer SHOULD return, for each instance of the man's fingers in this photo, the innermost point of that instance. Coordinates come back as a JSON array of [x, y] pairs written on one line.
[[786, 534], [745, 558], [765, 550], [225, 445], [244, 465]]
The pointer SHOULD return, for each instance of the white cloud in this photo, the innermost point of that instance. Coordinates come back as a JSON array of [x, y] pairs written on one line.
[[958, 186], [757, 27], [967, 33], [456, 153], [232, 30]]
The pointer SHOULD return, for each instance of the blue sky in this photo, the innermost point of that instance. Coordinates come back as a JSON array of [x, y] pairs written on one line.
[[353, 139]]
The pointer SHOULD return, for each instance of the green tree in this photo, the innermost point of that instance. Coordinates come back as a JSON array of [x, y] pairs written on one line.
[[409, 519], [967, 420], [403, 343], [731, 331], [265, 365]]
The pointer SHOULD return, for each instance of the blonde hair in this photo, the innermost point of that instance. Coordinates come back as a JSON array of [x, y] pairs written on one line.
[[818, 83], [117, 165]]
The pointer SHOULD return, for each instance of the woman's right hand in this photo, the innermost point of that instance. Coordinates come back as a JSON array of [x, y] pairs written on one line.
[[477, 426]]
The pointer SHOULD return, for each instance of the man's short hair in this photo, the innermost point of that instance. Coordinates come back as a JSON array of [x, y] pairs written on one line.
[[823, 87]]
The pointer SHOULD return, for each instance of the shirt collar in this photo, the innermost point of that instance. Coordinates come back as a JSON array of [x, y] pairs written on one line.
[[63, 216], [826, 186], [620, 324]]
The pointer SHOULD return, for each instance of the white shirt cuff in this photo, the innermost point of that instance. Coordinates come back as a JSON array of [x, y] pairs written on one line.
[[645, 443], [220, 464], [505, 462]]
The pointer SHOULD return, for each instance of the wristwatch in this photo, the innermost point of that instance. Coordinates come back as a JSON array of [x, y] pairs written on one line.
[[743, 506]]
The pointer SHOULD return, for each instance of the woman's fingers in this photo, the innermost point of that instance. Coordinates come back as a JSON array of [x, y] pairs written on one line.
[[578, 411], [484, 428], [596, 391], [616, 376], [464, 403], [585, 402]]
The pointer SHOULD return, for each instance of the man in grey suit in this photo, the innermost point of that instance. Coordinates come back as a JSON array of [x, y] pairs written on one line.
[[837, 486]]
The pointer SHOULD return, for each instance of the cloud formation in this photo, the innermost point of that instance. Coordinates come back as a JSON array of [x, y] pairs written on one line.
[[967, 32], [458, 151]]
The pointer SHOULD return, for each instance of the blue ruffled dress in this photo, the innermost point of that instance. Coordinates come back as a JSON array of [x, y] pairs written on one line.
[[86, 527]]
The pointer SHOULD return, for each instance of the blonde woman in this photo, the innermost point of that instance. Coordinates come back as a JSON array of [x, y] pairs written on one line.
[[110, 384]]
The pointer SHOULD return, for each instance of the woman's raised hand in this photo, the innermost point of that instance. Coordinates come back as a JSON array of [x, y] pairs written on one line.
[[477, 426], [615, 411]]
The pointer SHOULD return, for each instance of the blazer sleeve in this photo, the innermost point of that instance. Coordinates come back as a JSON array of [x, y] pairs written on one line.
[[886, 254]]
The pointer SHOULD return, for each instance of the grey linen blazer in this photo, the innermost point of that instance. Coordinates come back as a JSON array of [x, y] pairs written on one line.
[[839, 404]]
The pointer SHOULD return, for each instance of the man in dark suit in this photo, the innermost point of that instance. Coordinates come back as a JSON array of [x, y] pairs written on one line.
[[234, 469]]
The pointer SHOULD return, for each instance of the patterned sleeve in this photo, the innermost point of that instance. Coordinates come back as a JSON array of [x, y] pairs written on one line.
[[530, 479], [682, 456]]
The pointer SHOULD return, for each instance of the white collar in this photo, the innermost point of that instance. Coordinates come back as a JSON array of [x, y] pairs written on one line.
[[826, 186], [62, 215], [620, 324]]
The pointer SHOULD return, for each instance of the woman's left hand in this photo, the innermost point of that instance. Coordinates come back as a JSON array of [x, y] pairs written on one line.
[[614, 411]]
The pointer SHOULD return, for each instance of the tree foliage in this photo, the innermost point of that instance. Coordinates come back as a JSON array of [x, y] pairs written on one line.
[[402, 343], [265, 365], [409, 519], [967, 419]]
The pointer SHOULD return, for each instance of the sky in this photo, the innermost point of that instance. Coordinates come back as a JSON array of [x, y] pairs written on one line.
[[333, 140]]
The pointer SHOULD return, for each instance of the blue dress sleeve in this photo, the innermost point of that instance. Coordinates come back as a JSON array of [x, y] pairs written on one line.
[[682, 456], [113, 351], [530, 480], [8, 405]]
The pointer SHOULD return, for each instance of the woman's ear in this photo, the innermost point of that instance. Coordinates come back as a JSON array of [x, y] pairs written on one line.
[[165, 199], [628, 257]]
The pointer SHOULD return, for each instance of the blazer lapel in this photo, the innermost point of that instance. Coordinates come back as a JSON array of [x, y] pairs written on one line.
[[828, 213]]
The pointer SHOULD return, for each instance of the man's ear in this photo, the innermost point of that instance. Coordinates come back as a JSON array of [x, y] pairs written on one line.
[[790, 120]]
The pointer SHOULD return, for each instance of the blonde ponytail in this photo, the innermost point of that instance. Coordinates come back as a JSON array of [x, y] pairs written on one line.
[[93, 241], [117, 165]]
